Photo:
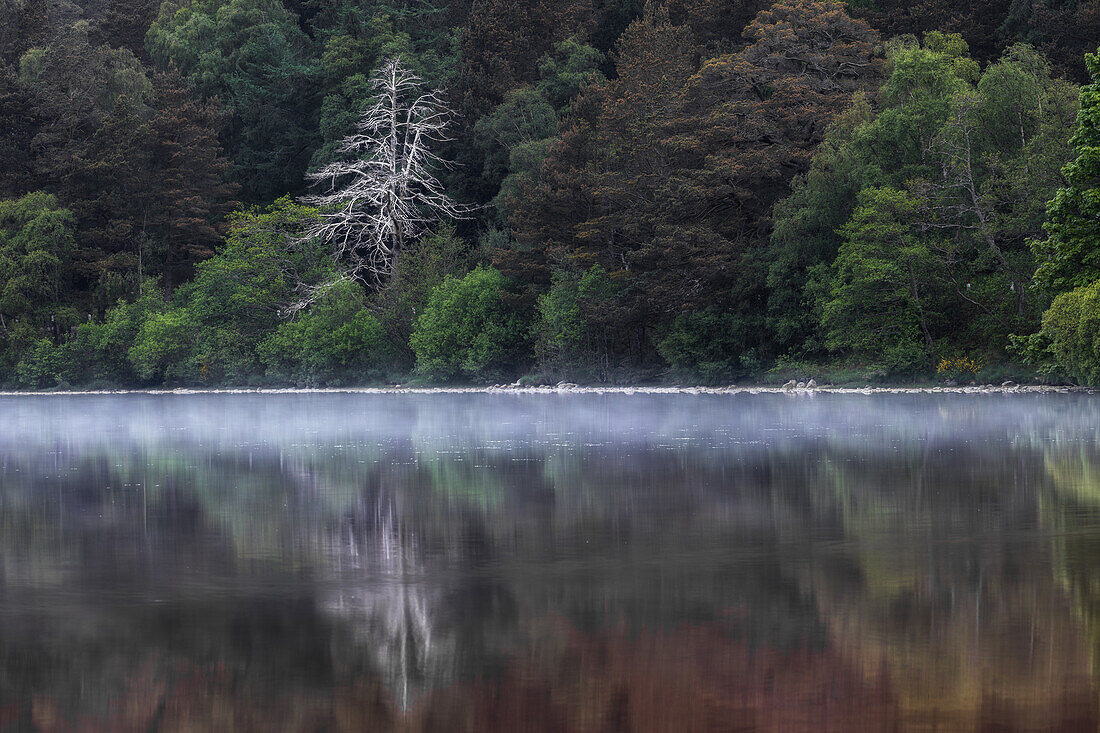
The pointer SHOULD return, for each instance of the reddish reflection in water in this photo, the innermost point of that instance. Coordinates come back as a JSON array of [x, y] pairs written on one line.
[[490, 564], [697, 679]]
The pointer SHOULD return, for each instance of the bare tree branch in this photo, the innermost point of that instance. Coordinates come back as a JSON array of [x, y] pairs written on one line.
[[383, 193]]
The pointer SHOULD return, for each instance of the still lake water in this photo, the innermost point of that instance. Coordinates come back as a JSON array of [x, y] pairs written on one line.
[[511, 562]]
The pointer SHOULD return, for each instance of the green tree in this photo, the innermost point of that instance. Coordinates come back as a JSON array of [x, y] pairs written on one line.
[[975, 152], [465, 331], [1065, 30], [151, 190], [336, 341], [864, 148], [666, 174], [519, 124], [19, 120], [500, 48], [1070, 255], [516, 136], [711, 345], [211, 330], [805, 237], [882, 303], [1069, 341], [253, 56], [37, 244], [77, 84], [575, 334], [419, 269]]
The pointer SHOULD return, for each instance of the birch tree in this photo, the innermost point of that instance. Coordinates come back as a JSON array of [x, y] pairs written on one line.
[[382, 192]]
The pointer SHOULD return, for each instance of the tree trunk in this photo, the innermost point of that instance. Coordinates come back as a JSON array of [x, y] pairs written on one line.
[[920, 310]]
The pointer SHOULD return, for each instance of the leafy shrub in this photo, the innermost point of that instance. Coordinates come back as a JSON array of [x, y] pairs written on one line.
[[572, 336], [41, 366], [336, 341], [419, 269], [959, 367], [163, 346], [466, 331], [1070, 337], [99, 352], [709, 345]]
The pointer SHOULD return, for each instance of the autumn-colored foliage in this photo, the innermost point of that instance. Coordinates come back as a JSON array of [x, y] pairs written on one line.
[[704, 155], [503, 41], [666, 174]]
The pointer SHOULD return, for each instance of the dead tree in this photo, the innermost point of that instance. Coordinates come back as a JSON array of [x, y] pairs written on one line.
[[382, 192]]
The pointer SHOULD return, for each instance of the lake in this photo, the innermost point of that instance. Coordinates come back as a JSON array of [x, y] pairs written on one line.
[[550, 562]]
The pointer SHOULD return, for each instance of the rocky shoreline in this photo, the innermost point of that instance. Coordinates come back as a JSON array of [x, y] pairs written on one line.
[[791, 388]]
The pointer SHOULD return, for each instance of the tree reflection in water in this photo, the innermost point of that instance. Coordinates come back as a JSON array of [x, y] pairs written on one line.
[[566, 563], [381, 593]]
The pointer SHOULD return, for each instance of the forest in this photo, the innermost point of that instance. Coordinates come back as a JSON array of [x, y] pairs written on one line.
[[353, 192]]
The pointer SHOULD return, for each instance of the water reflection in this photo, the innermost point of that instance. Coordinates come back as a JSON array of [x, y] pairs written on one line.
[[550, 562]]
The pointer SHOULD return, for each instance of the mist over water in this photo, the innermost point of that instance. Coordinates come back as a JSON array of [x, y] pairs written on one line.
[[565, 562]]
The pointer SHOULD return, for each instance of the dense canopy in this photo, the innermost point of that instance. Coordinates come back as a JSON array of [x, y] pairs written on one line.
[[617, 191]]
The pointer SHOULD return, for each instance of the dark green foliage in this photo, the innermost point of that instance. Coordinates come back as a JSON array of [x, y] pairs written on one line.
[[420, 268], [358, 37], [1070, 255], [253, 56], [123, 23], [130, 152], [465, 332], [37, 244], [516, 136], [575, 335], [973, 156], [520, 122], [685, 189], [503, 42], [18, 121], [76, 85], [711, 346], [336, 341], [25, 24], [424, 33], [1065, 30], [152, 189]]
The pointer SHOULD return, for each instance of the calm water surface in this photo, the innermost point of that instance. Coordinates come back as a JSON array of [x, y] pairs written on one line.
[[496, 562]]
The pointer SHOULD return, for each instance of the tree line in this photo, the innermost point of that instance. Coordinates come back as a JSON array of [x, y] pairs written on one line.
[[213, 192]]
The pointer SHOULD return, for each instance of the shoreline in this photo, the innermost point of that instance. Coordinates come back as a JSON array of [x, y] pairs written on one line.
[[572, 389]]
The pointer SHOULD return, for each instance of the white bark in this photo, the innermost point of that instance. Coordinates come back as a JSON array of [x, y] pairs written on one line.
[[383, 192]]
